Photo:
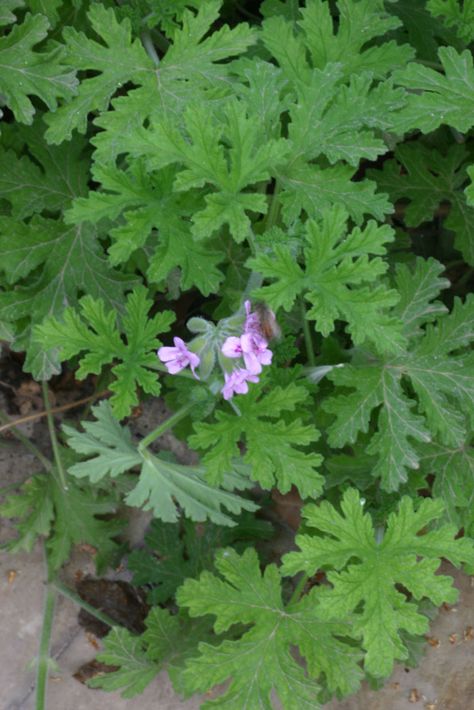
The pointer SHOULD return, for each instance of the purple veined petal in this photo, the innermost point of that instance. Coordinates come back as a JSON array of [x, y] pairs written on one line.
[[232, 347], [167, 353], [180, 344]]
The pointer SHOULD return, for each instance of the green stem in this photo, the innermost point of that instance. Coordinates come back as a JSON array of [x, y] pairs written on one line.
[[53, 437], [251, 241], [464, 279], [150, 47], [27, 443], [274, 210], [164, 426], [298, 589], [70, 594], [456, 262], [307, 336], [45, 642], [256, 279], [295, 9], [433, 65], [160, 40]]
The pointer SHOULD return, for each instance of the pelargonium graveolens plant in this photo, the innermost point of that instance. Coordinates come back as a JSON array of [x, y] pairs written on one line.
[[180, 181]]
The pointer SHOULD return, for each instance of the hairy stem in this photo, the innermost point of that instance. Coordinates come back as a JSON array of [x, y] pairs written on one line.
[[150, 47], [70, 594], [274, 209], [45, 642], [54, 438], [298, 589], [251, 241], [307, 335], [464, 279], [164, 426], [25, 441]]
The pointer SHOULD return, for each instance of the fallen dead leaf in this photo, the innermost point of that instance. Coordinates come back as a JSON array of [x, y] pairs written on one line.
[[92, 640], [414, 696]]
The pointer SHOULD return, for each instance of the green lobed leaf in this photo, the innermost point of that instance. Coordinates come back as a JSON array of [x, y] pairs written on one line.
[[338, 269], [261, 661], [175, 552], [195, 63], [373, 390], [206, 160], [50, 263], [420, 28], [118, 60], [161, 485], [33, 507], [47, 177], [366, 570], [459, 15], [94, 331], [271, 442], [438, 98], [313, 189], [6, 11], [134, 671], [428, 179], [358, 24], [167, 643], [64, 517], [148, 213], [453, 470], [26, 73]]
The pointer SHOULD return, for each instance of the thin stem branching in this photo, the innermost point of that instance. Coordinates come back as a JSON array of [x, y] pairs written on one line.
[[54, 439]]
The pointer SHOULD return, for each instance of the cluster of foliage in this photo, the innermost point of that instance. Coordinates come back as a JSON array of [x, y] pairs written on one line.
[[163, 158]]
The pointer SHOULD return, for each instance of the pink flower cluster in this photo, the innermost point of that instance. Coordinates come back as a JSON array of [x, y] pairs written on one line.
[[253, 348]]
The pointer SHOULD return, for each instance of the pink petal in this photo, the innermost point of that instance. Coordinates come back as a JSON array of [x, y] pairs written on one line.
[[266, 357], [166, 353], [175, 366], [252, 363]]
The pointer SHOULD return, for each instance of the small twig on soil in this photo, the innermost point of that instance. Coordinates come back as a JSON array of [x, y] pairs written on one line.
[[5, 384], [54, 410]]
